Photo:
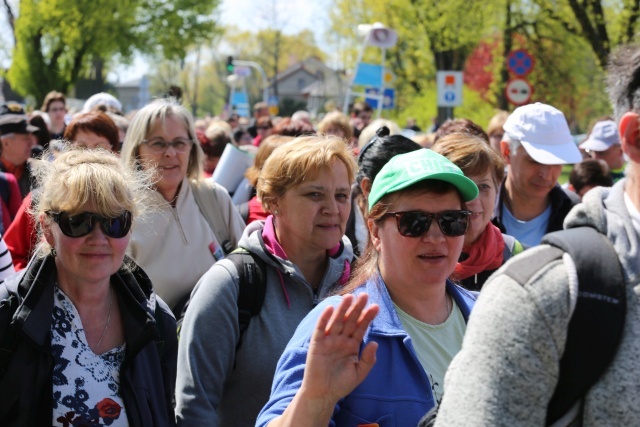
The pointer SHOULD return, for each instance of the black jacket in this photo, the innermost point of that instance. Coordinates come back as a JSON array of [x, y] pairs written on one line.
[[147, 377], [561, 204]]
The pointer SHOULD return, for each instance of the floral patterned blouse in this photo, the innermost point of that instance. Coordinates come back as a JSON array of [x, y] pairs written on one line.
[[86, 386]]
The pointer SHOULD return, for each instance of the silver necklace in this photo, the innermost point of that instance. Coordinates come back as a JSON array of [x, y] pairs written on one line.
[[107, 323]]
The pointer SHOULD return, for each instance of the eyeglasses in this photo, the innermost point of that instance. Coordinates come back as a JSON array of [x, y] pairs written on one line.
[[180, 145], [417, 223], [81, 224]]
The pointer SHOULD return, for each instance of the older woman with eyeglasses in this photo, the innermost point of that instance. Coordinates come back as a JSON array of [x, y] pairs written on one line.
[[351, 364], [85, 341], [197, 223]]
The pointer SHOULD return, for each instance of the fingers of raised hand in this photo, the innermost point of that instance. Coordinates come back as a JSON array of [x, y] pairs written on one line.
[[367, 315], [352, 317], [338, 319]]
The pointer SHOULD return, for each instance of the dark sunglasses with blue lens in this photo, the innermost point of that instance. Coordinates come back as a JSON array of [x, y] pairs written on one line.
[[81, 224], [452, 223]]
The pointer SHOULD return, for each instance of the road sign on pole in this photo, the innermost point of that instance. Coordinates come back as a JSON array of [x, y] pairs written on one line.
[[518, 91], [449, 88], [373, 95], [520, 62]]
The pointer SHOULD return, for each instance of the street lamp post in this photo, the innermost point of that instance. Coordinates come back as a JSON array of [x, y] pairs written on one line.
[[376, 35]]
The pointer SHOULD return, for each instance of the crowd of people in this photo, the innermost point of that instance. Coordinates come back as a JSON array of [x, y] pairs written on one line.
[[359, 274]]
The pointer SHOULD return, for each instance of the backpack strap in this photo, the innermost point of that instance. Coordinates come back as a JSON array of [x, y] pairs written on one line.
[[512, 247], [596, 326], [243, 208], [204, 192], [252, 287]]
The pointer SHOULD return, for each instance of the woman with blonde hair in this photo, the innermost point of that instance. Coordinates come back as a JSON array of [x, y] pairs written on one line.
[[495, 130], [196, 224], [93, 129], [90, 342], [225, 374], [336, 123]]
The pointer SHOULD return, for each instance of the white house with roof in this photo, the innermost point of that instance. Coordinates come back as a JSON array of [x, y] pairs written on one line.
[[312, 82]]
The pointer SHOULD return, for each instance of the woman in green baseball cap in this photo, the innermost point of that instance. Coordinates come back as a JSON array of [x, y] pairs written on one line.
[[378, 353]]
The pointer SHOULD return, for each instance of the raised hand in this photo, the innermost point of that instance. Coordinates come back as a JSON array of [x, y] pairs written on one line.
[[334, 365]]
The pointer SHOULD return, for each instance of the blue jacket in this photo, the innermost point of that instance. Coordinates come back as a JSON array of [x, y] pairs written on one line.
[[396, 392]]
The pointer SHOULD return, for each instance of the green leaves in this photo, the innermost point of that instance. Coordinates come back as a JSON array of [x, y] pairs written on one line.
[[56, 40]]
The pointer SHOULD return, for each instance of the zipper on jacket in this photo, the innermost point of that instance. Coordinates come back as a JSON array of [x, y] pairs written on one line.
[[177, 218]]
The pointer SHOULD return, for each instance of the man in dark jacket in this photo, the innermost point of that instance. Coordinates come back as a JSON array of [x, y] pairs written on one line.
[[535, 145]]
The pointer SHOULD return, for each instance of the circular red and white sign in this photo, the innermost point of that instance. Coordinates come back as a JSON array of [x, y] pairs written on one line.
[[518, 91]]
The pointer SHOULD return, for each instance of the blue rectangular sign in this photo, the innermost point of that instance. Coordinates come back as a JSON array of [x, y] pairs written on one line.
[[239, 98], [368, 75]]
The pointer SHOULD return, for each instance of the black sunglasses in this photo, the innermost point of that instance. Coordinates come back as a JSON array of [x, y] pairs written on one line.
[[81, 224], [417, 223]]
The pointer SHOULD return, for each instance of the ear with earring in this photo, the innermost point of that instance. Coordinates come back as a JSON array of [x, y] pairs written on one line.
[[54, 253], [276, 212]]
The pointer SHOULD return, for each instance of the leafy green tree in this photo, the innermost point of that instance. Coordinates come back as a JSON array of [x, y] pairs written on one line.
[[58, 40], [441, 35], [432, 35], [602, 25]]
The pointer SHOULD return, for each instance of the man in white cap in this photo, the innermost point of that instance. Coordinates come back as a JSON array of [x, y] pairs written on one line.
[[510, 362], [535, 145], [603, 143]]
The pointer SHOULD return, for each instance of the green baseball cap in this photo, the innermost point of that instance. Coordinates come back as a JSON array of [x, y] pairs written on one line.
[[406, 169]]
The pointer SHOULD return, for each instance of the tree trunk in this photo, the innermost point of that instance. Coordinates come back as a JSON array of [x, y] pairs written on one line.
[[503, 104], [11, 18]]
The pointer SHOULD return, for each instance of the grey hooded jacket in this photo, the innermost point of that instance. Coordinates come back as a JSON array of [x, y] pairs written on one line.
[[217, 387], [508, 367]]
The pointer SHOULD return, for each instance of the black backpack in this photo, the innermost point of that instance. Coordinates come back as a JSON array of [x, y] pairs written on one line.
[[596, 326], [253, 287]]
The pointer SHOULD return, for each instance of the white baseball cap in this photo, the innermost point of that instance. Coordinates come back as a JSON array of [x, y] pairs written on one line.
[[544, 134], [603, 136]]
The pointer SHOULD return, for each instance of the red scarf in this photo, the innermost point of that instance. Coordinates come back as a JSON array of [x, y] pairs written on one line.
[[486, 253]]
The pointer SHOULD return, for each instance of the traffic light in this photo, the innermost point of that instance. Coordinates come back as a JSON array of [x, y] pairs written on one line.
[[229, 65]]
